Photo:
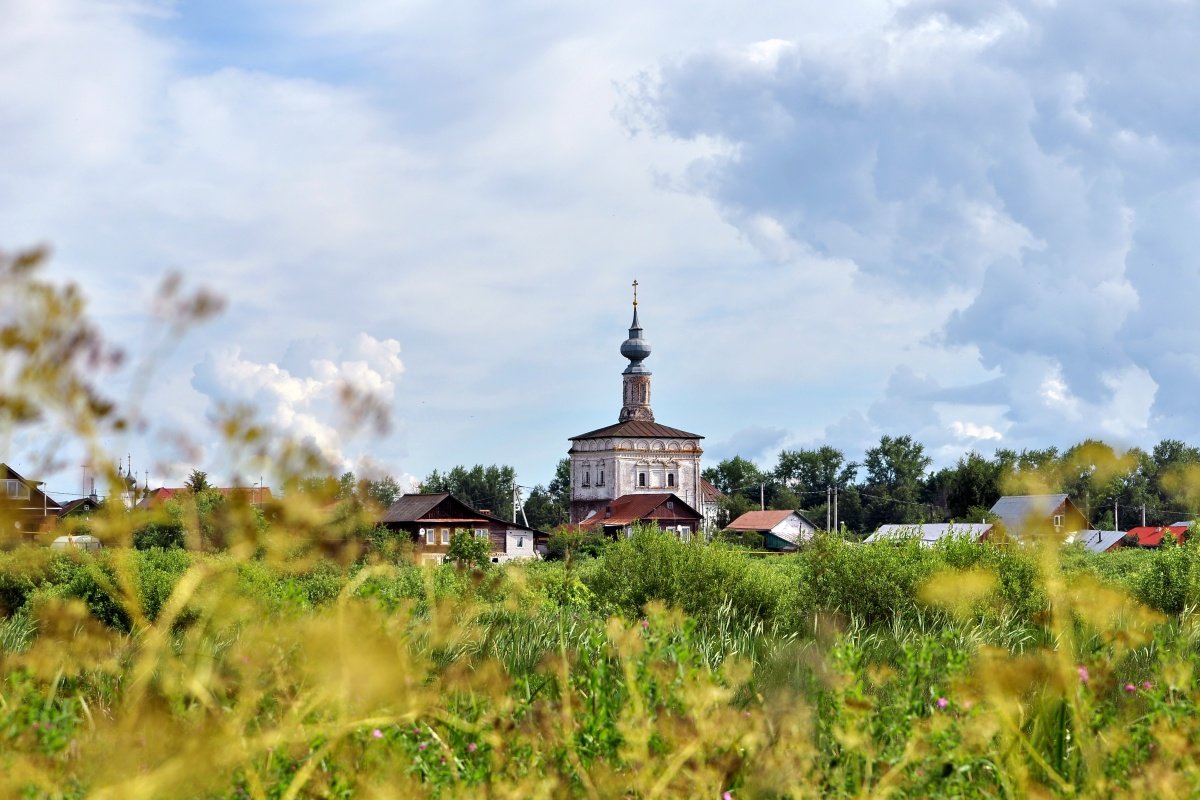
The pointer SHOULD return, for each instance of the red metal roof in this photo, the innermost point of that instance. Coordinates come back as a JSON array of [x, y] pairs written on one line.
[[638, 430], [630, 508], [710, 492], [1151, 536], [759, 520]]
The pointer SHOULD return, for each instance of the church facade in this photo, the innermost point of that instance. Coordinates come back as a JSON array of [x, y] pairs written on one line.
[[637, 455]]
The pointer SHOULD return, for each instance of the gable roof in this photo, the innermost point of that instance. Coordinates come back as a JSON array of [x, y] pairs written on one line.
[[49, 502], [638, 430], [1016, 511], [709, 492], [630, 508], [72, 505], [412, 507], [759, 520]]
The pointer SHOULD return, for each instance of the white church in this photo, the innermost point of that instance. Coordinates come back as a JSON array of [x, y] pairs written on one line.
[[637, 455]]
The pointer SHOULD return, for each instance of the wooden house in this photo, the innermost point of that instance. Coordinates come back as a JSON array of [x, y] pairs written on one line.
[[431, 520]]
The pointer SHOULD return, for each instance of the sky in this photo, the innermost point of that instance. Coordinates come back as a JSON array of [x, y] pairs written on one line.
[[971, 222]]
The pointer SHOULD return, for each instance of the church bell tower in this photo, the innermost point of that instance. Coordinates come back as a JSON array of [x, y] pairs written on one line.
[[635, 401]]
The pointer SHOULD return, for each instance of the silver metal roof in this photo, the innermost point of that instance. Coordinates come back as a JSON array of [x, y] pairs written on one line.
[[930, 533], [1016, 511]]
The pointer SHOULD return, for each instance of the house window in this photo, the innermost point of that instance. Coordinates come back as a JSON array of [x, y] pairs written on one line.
[[600, 480], [481, 533], [428, 533], [16, 490], [641, 479], [685, 532], [520, 541], [670, 479], [1058, 521], [431, 560], [445, 536], [670, 505], [587, 478]]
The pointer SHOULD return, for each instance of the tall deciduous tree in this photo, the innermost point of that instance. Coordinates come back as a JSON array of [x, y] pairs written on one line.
[[483, 488], [895, 477]]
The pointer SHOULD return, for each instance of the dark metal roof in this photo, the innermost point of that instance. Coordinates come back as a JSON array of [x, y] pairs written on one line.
[[638, 430], [416, 507], [411, 507]]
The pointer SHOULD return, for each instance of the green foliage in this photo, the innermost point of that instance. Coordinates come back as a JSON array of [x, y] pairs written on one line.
[[655, 566], [567, 543], [752, 540], [483, 488], [197, 482], [469, 550]]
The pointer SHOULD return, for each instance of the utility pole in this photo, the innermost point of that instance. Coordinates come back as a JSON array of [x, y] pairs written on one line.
[[762, 497], [835, 510], [1143, 515], [828, 505], [1116, 518]]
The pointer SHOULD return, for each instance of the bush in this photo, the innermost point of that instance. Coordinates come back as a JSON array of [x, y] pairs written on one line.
[[466, 549], [567, 543], [875, 582], [693, 576], [752, 540]]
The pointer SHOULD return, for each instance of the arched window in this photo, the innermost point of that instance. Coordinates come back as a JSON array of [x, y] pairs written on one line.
[[671, 479], [641, 479]]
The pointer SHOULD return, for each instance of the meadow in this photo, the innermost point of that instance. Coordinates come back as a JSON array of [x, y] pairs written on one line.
[[656, 669]]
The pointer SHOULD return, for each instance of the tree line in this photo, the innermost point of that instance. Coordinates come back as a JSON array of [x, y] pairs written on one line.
[[895, 484]]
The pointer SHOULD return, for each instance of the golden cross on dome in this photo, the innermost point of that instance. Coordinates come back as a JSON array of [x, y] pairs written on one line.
[[635, 285]]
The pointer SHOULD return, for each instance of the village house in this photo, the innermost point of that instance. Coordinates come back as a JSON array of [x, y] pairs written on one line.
[[780, 530], [431, 520], [1039, 514], [664, 510], [25, 509]]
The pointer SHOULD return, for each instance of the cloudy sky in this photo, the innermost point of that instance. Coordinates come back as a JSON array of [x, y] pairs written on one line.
[[973, 222]]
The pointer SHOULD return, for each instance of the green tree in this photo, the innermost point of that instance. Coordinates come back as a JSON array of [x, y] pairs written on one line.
[[895, 478], [466, 549], [483, 488], [197, 482], [973, 482], [385, 491]]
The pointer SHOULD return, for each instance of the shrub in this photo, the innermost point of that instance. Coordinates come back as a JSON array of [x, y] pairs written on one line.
[[693, 576], [567, 543], [466, 549]]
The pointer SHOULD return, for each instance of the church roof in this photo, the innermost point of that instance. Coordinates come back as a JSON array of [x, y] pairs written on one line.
[[633, 429]]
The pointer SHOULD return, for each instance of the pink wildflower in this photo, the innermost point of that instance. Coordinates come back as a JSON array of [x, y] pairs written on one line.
[[727, 796], [1129, 687], [1147, 685], [378, 734], [421, 746], [645, 624], [472, 747], [942, 702], [1083, 674]]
